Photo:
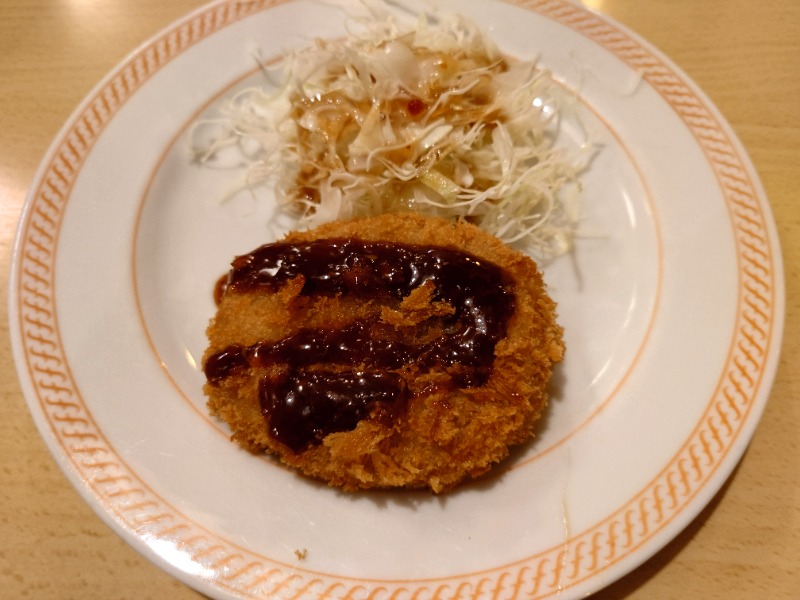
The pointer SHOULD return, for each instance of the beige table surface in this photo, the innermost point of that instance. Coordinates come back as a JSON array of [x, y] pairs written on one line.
[[743, 54]]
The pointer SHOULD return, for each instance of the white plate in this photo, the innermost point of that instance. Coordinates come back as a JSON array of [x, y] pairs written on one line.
[[673, 313]]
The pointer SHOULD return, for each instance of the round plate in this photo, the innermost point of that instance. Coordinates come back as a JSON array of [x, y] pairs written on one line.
[[672, 304]]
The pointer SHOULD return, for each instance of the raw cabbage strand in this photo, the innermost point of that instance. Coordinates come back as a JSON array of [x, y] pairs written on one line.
[[432, 118]]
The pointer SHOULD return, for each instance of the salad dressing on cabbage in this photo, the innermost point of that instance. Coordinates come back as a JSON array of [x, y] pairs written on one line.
[[432, 119]]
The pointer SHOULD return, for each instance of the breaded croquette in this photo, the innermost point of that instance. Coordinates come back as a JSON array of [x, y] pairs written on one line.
[[385, 352]]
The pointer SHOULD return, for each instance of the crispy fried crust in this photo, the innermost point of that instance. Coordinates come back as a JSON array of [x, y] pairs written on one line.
[[445, 434]]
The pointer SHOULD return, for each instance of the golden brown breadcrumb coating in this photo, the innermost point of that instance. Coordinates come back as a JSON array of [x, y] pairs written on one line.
[[445, 432]]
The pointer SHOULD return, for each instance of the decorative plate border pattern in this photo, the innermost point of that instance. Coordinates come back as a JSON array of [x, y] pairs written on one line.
[[224, 567]]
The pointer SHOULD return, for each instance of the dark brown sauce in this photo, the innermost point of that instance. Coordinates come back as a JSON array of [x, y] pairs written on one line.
[[219, 289], [311, 400], [303, 407]]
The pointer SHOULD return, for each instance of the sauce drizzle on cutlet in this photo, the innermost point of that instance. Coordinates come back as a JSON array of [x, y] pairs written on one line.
[[336, 377]]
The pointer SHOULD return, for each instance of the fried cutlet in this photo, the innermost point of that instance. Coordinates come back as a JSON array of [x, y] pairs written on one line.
[[391, 351]]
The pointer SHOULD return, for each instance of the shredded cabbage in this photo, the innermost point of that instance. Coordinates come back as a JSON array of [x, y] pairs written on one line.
[[432, 118]]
